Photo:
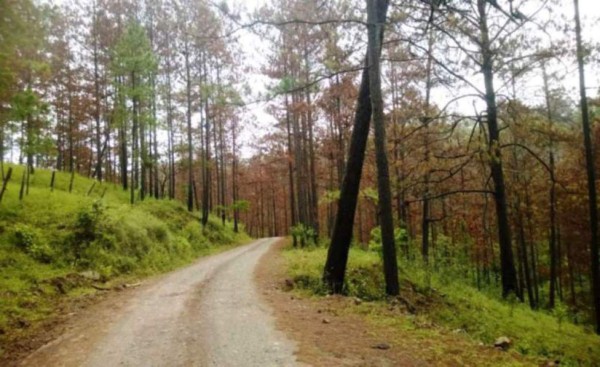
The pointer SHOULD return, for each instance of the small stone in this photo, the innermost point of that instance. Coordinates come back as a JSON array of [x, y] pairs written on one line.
[[90, 274], [326, 321], [503, 343], [381, 346], [357, 301]]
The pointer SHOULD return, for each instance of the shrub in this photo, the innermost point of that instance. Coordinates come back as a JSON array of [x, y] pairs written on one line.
[[32, 242], [305, 234]]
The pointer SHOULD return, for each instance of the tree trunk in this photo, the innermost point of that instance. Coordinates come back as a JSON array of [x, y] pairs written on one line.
[[134, 142], [337, 256], [190, 158], [207, 169], [507, 262], [591, 173], [374, 8]]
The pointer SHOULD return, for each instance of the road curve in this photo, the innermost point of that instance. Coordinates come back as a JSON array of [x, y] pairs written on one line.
[[208, 314]]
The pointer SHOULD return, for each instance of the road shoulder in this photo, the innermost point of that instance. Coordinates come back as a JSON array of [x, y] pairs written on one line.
[[325, 333]]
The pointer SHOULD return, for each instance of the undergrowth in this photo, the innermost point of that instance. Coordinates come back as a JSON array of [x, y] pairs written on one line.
[[54, 244], [429, 298]]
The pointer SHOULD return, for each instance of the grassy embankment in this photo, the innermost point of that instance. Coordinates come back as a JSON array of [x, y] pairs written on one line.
[[434, 304], [55, 246]]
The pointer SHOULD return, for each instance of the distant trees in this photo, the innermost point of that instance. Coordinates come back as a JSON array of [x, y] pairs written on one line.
[[486, 179], [134, 64], [92, 87]]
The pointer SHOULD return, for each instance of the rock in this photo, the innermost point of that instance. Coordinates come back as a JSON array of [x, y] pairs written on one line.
[[458, 331], [381, 346], [554, 363], [91, 275], [503, 343], [22, 323], [326, 321], [357, 301], [289, 284]]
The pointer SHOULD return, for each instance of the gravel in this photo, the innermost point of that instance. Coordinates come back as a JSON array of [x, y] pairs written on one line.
[[208, 314]]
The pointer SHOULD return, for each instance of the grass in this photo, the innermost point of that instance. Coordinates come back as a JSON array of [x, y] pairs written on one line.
[[54, 245], [443, 306]]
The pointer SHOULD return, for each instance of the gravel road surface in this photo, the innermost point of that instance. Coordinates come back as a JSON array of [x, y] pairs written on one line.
[[208, 314]]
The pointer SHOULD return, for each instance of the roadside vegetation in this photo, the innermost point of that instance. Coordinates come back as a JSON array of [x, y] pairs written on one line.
[[442, 300], [56, 246]]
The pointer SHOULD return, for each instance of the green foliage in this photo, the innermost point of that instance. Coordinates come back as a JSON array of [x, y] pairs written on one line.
[[371, 194], [303, 233], [454, 305], [31, 241], [133, 52], [50, 237], [400, 236], [330, 197], [241, 205]]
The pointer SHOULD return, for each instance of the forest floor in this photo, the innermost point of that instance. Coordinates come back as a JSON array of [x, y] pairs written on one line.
[[344, 331]]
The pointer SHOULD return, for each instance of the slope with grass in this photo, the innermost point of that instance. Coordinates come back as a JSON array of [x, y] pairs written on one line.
[[56, 245], [434, 304]]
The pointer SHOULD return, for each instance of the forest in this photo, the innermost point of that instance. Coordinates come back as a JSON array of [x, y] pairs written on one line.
[[453, 136]]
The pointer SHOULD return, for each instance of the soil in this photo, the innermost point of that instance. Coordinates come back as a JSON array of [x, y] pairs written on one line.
[[326, 335], [206, 314], [342, 331]]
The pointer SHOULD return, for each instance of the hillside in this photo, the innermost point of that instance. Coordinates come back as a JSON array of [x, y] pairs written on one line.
[[441, 317], [57, 246]]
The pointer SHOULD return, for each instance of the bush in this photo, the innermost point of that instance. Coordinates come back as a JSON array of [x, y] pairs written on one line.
[[303, 233], [85, 229], [32, 242]]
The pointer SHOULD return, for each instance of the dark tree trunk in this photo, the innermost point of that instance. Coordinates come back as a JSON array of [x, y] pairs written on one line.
[[425, 222], [291, 167], [207, 169], [390, 266], [134, 142], [97, 111], [190, 158], [337, 256], [507, 262], [591, 173], [234, 183]]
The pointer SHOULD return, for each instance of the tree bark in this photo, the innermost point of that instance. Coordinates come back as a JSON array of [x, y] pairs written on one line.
[[375, 7], [337, 256], [190, 162], [591, 173], [507, 262]]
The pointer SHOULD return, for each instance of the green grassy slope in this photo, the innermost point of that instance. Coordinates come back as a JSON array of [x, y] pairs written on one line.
[[55, 245], [454, 308]]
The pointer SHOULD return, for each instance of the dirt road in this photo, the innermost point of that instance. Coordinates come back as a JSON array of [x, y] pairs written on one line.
[[208, 314]]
